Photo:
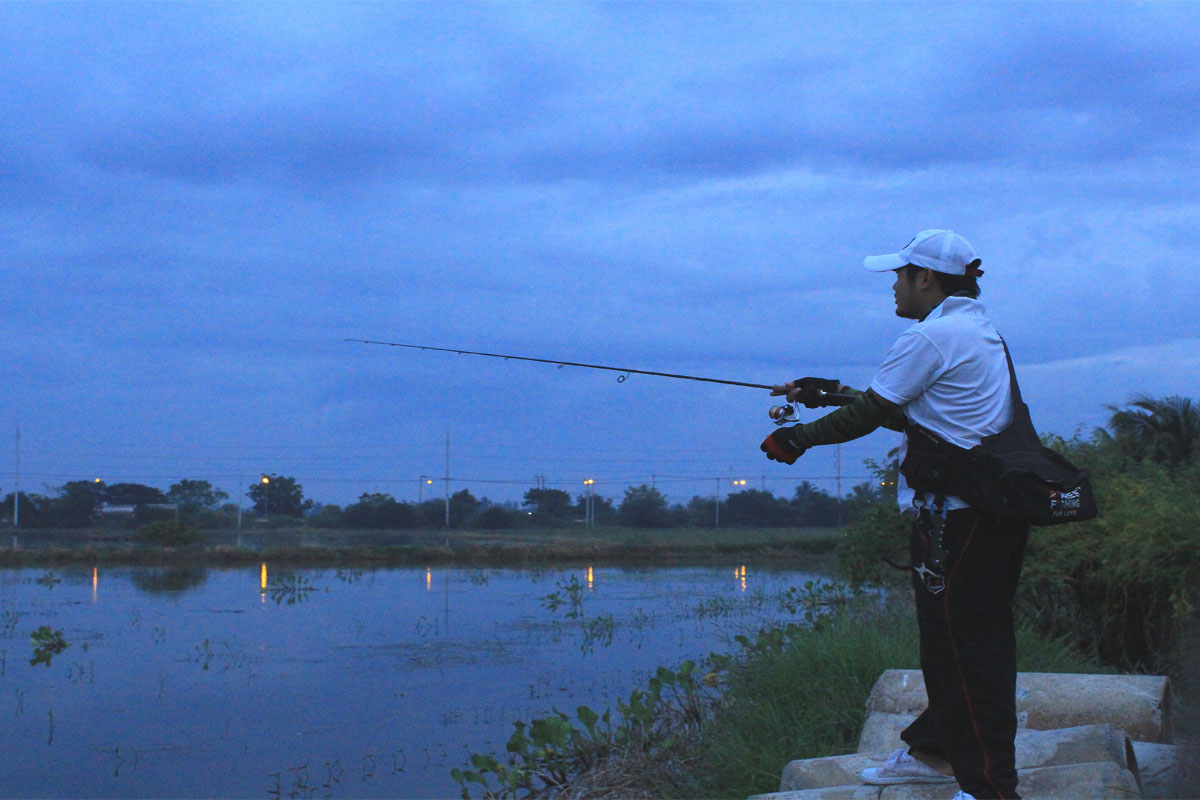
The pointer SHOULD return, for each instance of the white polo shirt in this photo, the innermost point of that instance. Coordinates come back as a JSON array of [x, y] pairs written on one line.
[[950, 374]]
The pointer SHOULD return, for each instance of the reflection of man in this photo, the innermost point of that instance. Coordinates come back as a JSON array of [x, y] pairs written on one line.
[[947, 374]]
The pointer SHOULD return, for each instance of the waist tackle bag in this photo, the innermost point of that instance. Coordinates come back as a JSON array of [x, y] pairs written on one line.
[[1009, 473]]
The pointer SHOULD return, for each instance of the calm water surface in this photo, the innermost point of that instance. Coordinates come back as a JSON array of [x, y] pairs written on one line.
[[329, 683]]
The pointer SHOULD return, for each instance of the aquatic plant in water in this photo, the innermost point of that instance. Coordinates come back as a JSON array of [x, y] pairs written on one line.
[[598, 631], [46, 643], [569, 594], [9, 620], [544, 755], [290, 588], [817, 599], [714, 607], [49, 580]]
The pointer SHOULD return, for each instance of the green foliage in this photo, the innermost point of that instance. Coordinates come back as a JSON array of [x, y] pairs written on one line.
[[168, 533], [34, 510], [194, 496], [327, 516], [290, 589], [76, 503], [495, 518], [278, 495], [544, 756], [132, 494], [1164, 430], [644, 507], [549, 506], [46, 643], [1122, 586], [817, 599], [49, 580], [800, 691], [380, 512], [790, 691], [568, 594], [813, 506], [541, 756], [463, 507], [756, 508], [877, 532]]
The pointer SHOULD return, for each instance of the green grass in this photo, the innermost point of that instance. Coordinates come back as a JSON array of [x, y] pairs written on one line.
[[790, 692], [316, 547], [806, 697]]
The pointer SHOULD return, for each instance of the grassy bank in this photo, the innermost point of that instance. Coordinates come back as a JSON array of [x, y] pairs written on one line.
[[727, 729], [317, 547], [804, 696]]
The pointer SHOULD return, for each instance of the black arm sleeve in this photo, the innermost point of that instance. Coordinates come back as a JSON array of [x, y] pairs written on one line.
[[859, 418]]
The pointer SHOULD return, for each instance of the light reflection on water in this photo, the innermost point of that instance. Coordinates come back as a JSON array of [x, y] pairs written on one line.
[[329, 683]]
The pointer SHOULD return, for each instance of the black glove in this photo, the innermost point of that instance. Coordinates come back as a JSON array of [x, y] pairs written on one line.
[[782, 446], [811, 389]]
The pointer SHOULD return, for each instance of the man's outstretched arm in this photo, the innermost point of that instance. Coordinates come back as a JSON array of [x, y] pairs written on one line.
[[868, 412]]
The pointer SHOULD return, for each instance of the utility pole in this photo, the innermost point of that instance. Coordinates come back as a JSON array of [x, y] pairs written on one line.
[[717, 505], [837, 455], [447, 478], [17, 482]]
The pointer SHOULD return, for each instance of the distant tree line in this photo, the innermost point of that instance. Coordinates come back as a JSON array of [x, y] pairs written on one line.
[[280, 500]]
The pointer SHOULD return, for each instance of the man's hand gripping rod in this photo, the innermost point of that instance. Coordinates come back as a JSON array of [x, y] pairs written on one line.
[[780, 415]]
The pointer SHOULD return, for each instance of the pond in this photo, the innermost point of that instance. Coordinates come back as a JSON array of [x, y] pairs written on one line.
[[140, 682]]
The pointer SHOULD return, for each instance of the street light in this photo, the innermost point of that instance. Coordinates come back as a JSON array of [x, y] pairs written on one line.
[[265, 481], [589, 506]]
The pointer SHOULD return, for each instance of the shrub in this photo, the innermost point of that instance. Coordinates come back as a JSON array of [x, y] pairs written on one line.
[[877, 532], [167, 533], [644, 507], [327, 516], [495, 518], [1121, 586]]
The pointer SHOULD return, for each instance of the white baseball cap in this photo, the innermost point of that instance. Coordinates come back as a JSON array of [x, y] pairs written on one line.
[[940, 251]]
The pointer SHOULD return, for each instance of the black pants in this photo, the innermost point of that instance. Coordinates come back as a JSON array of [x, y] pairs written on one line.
[[968, 649]]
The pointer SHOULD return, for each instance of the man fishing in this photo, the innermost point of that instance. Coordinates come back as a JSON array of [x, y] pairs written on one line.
[[947, 375]]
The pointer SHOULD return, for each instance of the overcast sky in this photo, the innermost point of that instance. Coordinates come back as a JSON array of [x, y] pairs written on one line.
[[200, 202]]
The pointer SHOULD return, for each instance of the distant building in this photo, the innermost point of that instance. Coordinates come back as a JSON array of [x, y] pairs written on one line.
[[128, 509]]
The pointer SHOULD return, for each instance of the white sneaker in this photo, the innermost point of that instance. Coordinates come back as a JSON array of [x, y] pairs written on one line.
[[900, 767], [963, 796]]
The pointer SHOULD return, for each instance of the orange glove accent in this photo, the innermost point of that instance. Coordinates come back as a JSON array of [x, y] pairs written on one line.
[[780, 446]]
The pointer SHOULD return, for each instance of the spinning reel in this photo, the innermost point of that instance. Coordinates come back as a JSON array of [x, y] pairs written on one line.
[[788, 414], [782, 415]]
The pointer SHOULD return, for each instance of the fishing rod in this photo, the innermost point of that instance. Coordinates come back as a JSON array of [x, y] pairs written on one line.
[[779, 414]]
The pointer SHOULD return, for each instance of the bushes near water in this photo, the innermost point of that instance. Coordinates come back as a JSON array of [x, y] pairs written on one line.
[[727, 728], [167, 533], [1122, 586], [1114, 593]]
